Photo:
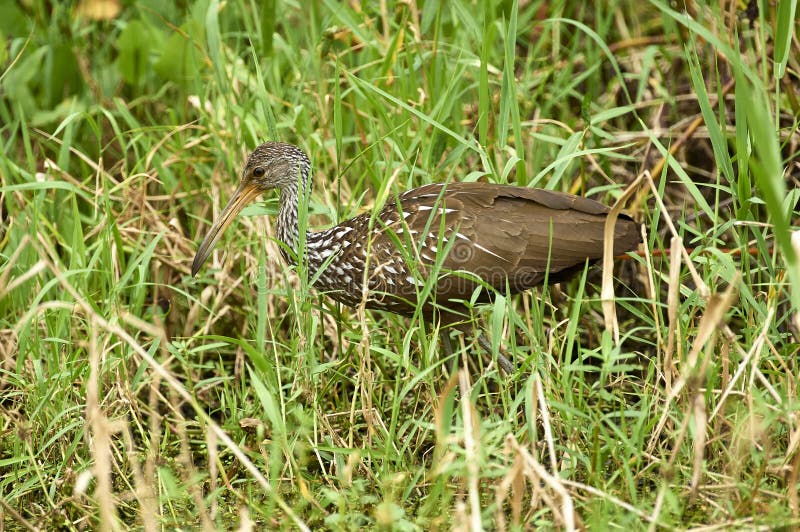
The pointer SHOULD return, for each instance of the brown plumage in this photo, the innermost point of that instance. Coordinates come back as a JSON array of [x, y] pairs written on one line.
[[470, 235]]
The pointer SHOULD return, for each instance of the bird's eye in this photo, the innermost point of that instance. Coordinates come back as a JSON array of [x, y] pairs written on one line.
[[259, 172]]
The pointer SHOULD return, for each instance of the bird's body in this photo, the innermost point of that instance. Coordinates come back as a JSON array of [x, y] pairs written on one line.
[[469, 235], [494, 237]]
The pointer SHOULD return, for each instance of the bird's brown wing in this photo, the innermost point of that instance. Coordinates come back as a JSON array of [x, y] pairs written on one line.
[[506, 235]]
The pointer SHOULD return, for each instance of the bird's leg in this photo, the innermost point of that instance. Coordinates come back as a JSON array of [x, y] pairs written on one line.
[[479, 333], [449, 350], [502, 361]]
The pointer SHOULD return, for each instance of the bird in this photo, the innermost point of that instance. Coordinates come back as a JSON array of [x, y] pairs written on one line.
[[456, 238]]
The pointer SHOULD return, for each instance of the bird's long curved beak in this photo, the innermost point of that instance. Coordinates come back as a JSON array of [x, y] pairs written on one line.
[[240, 199]]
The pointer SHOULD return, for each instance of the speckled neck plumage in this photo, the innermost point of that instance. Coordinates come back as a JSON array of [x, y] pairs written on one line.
[[287, 227]]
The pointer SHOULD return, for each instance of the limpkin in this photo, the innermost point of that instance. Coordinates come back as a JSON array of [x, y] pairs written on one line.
[[500, 238]]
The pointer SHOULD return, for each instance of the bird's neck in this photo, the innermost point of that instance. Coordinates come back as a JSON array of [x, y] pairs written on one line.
[[290, 203]]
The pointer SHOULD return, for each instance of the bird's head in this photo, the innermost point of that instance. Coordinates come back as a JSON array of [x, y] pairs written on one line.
[[273, 165]]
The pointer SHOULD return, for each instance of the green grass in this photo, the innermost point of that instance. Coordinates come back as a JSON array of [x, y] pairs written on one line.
[[135, 396]]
